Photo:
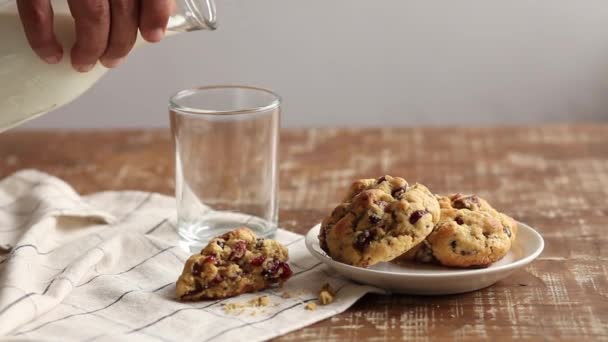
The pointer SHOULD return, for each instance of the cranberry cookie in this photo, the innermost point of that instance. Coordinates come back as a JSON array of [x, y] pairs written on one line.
[[234, 263], [379, 220]]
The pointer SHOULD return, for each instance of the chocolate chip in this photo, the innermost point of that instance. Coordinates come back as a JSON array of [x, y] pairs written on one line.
[[374, 219], [381, 179], [197, 269], [397, 193], [463, 253], [454, 244], [220, 243], [198, 288], [363, 240], [459, 220], [259, 243], [465, 202], [417, 215], [507, 231]]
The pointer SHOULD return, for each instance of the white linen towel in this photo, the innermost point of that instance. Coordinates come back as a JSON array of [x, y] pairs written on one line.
[[103, 267]]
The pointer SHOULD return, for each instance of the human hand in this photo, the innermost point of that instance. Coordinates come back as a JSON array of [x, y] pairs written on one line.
[[106, 30]]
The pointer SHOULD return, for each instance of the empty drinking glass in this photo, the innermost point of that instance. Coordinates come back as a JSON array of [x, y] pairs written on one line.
[[226, 140]]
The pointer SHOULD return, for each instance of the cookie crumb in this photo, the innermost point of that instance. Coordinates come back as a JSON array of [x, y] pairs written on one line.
[[311, 306], [233, 308], [238, 308], [326, 295], [259, 301], [286, 295]]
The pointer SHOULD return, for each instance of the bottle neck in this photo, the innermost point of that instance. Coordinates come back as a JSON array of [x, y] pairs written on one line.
[[193, 15]]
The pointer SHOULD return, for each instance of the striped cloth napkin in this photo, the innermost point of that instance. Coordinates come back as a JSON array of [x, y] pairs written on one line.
[[103, 268]]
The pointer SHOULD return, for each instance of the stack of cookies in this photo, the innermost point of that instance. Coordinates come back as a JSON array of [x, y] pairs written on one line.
[[386, 219]]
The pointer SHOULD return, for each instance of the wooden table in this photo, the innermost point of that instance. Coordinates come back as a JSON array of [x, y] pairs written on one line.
[[554, 178]]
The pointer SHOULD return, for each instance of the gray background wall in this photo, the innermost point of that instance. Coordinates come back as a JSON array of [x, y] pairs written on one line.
[[376, 62]]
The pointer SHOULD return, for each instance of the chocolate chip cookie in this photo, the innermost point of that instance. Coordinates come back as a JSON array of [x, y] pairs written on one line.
[[470, 233], [476, 203], [234, 263], [379, 220], [465, 238]]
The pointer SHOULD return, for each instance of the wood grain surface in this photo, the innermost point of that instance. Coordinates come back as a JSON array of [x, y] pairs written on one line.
[[554, 178]]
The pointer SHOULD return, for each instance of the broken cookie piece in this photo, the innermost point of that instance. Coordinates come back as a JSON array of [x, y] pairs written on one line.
[[311, 306], [326, 295], [234, 263]]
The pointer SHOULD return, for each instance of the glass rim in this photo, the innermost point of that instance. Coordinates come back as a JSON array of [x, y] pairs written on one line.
[[174, 105]]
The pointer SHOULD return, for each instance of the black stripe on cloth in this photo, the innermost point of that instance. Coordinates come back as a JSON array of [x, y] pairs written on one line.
[[16, 248], [36, 185], [268, 318], [294, 241], [143, 333], [216, 302], [137, 207], [48, 286], [296, 265], [57, 276], [111, 321], [87, 312], [169, 315], [128, 270], [39, 204], [27, 222], [27, 295], [25, 246], [171, 252], [162, 287], [308, 269], [173, 227], [157, 226], [185, 309], [260, 321]]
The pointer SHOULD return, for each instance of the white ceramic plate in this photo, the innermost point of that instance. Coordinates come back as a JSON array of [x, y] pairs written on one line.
[[431, 279]]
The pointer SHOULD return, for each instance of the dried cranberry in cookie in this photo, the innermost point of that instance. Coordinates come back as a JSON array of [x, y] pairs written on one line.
[[232, 264]]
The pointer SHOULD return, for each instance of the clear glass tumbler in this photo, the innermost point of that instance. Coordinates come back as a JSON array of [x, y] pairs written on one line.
[[226, 140]]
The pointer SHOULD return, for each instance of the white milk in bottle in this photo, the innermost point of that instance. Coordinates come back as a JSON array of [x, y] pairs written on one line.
[[29, 87]]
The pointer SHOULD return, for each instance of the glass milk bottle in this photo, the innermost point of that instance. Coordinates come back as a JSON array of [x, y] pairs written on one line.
[[29, 87]]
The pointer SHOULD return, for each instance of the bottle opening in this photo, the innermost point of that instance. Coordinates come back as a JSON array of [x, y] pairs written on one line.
[[192, 15]]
